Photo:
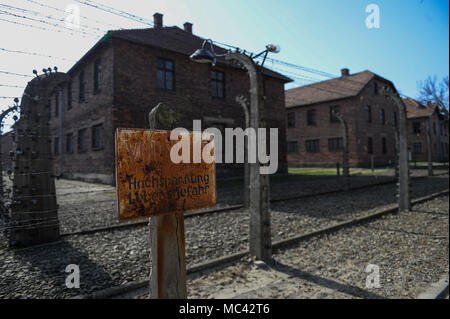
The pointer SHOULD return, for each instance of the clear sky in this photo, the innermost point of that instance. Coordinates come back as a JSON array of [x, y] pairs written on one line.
[[411, 43]]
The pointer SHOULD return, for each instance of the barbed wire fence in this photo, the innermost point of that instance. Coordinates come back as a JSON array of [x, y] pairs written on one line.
[[28, 197]]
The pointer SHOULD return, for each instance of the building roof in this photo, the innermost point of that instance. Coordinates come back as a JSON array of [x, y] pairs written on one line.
[[415, 109], [329, 90], [168, 38]]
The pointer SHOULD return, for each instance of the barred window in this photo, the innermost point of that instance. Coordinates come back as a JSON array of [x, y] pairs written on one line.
[[312, 146], [335, 144]]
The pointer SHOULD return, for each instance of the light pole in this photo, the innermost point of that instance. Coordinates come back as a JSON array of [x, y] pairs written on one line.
[[260, 236]]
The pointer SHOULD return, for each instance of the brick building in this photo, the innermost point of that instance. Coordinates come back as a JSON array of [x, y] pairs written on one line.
[[419, 116], [314, 135], [128, 72]]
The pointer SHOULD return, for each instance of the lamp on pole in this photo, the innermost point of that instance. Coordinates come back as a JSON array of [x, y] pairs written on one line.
[[260, 236]]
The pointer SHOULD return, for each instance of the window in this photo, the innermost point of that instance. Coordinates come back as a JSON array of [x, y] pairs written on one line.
[[97, 136], [97, 76], [311, 117], [369, 145], [334, 119], [368, 113], [417, 147], [164, 74], [82, 140], [49, 112], [394, 118], [382, 117], [292, 147], [69, 143], [312, 146], [335, 144], [81, 88], [217, 84], [383, 145], [416, 127], [291, 119], [56, 146], [69, 95], [56, 105]]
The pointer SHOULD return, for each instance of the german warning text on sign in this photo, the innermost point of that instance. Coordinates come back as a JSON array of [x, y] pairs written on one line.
[[149, 183]]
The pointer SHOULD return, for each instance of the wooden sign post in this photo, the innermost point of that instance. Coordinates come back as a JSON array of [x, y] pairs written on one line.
[[150, 184]]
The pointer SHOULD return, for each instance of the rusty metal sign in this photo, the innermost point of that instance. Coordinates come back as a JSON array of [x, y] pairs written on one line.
[[149, 183]]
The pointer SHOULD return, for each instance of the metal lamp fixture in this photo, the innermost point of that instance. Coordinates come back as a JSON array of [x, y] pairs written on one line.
[[203, 55]]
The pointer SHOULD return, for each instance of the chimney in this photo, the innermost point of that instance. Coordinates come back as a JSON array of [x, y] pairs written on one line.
[[188, 27], [158, 20], [345, 72]]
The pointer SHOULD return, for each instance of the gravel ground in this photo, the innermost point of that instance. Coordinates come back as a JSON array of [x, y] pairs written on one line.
[[116, 257], [410, 250], [85, 206]]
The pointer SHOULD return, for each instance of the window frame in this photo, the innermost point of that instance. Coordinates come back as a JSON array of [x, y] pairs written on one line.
[[216, 80], [81, 87], [290, 119], [415, 148], [79, 149], [310, 146], [94, 137], [370, 145], [296, 149], [311, 117], [417, 128], [69, 95], [368, 113], [56, 149], [97, 76], [394, 118], [69, 136], [335, 144], [165, 70], [382, 117], [334, 119]]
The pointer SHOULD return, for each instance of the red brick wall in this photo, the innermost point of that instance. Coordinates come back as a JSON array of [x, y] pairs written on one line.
[[437, 154], [96, 109], [353, 111], [128, 93], [135, 72]]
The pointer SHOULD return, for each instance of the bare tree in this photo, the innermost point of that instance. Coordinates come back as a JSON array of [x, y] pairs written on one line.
[[435, 92]]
